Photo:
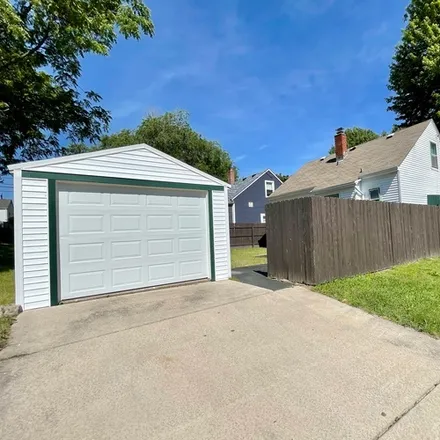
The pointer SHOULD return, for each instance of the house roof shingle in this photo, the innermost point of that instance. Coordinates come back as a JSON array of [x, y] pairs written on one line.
[[4, 203], [371, 157], [241, 185]]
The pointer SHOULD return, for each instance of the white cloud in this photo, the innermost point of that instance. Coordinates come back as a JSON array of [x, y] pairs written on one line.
[[232, 113], [262, 147], [376, 45], [126, 108], [240, 158]]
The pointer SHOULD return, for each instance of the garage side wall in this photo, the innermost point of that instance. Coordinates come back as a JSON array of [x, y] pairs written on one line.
[[35, 260], [221, 235]]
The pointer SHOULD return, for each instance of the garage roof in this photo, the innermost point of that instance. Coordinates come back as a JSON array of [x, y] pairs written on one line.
[[35, 165]]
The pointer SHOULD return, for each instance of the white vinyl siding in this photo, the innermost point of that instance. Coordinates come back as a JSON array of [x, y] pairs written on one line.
[[35, 245], [221, 235], [388, 186], [137, 164], [417, 177], [346, 193]]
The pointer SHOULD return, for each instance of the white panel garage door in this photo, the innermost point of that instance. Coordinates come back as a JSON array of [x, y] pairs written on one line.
[[114, 238]]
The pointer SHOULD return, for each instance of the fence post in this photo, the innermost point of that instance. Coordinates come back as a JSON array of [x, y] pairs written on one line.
[[252, 232]]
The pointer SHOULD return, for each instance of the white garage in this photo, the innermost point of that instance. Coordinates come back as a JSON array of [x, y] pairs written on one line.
[[114, 221]]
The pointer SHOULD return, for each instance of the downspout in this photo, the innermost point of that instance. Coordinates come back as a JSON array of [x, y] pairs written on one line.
[[399, 185], [357, 190]]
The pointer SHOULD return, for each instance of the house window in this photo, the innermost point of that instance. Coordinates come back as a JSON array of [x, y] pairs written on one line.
[[262, 218], [434, 157], [434, 200], [333, 196], [269, 186], [375, 194], [251, 204]]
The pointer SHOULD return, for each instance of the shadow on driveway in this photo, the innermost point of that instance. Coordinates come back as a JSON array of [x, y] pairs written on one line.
[[257, 276]]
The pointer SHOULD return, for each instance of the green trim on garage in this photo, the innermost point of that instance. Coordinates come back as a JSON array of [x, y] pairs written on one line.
[[118, 181], [53, 241], [52, 179], [211, 234]]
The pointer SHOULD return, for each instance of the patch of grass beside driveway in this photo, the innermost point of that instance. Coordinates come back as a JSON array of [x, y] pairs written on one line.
[[408, 294], [6, 288], [242, 257]]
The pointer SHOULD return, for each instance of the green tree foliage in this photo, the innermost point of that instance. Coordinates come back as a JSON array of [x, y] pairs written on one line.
[[415, 70], [42, 43], [172, 134], [282, 177], [357, 136]]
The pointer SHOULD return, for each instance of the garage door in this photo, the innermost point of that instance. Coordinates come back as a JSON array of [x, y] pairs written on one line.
[[114, 238]]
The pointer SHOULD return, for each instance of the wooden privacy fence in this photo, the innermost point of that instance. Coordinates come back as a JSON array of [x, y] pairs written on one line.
[[317, 239], [247, 234]]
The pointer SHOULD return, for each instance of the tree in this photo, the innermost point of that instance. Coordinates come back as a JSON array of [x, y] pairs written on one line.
[[415, 70], [41, 46], [172, 134], [357, 136], [282, 177]]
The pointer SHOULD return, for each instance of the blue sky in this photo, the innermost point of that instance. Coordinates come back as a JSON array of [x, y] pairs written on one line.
[[270, 81]]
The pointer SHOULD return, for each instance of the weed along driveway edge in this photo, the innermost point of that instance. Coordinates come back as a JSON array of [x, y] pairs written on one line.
[[6, 289], [220, 360]]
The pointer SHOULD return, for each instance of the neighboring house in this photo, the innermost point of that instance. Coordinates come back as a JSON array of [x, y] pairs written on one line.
[[6, 210], [115, 220], [248, 197], [402, 167]]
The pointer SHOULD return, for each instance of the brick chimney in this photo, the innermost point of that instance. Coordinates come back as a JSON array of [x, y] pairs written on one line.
[[340, 144], [231, 176]]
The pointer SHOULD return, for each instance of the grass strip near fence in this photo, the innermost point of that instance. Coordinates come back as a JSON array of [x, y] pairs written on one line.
[[408, 294]]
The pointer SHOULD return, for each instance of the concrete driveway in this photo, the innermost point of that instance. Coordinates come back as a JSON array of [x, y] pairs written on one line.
[[217, 361]]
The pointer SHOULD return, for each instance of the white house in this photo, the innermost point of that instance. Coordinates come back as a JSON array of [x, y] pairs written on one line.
[[6, 210], [115, 220], [402, 167]]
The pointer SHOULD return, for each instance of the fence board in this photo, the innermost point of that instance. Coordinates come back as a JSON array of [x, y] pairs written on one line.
[[247, 234], [316, 239]]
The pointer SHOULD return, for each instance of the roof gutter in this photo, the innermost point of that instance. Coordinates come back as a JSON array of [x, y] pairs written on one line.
[[333, 188], [379, 173], [284, 196]]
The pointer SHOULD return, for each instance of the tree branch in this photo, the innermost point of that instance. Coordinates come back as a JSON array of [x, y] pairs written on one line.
[[29, 52]]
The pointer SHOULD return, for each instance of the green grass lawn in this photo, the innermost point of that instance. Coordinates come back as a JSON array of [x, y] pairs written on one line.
[[6, 288], [407, 294], [242, 257]]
